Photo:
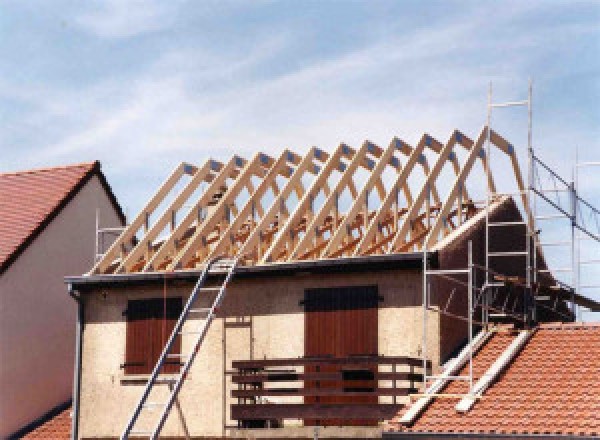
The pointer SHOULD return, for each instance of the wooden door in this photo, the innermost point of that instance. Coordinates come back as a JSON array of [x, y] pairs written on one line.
[[340, 322]]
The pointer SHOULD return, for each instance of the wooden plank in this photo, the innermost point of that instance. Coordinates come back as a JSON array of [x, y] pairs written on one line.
[[253, 242], [319, 411], [360, 201], [330, 204], [354, 361], [323, 392], [281, 167], [455, 191], [322, 376], [145, 243], [415, 156], [169, 247], [302, 211], [140, 220], [414, 209], [254, 167]]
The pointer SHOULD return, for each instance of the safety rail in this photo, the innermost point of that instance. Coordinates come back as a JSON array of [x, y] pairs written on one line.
[[341, 388]]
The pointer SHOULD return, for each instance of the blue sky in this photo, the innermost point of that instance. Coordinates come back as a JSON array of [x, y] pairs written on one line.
[[143, 85]]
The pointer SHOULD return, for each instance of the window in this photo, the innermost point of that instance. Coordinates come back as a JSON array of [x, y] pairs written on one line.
[[149, 327]]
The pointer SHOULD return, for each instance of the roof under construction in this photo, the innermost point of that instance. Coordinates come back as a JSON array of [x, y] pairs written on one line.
[[288, 209]]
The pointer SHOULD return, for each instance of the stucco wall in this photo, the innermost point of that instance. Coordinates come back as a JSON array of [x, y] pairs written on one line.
[[271, 306], [37, 317]]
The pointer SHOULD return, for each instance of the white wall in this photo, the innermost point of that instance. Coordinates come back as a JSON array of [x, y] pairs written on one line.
[[37, 316]]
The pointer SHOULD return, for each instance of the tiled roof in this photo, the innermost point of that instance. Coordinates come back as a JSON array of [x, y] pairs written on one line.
[[29, 200], [56, 428], [551, 387]]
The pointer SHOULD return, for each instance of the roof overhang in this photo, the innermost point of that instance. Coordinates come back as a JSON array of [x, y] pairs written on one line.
[[406, 260]]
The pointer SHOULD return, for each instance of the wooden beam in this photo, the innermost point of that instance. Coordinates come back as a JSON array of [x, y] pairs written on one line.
[[415, 208], [416, 155], [360, 201], [254, 239], [141, 220], [254, 167], [143, 248], [303, 211], [455, 191], [253, 205], [170, 247], [330, 204]]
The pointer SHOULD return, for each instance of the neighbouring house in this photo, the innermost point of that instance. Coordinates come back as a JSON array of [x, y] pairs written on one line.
[[47, 230], [548, 390], [315, 316]]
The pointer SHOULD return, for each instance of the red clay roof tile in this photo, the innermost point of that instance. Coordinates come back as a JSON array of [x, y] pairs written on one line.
[[57, 428], [551, 387], [30, 199]]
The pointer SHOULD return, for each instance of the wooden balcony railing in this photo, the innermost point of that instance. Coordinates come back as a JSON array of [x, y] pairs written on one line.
[[342, 391]]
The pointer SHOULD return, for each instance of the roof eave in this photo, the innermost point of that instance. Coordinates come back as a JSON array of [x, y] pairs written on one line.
[[407, 260]]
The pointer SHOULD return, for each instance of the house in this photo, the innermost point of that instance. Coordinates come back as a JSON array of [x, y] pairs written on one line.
[[47, 228], [281, 295], [549, 390]]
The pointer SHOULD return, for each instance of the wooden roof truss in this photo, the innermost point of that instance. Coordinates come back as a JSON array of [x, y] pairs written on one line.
[[268, 210]]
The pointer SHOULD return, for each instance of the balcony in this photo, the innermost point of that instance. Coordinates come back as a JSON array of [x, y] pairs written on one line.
[[355, 390]]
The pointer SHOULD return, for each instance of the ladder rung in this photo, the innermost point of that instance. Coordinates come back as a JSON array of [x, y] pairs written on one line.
[[202, 310], [565, 269], [210, 288], [177, 356], [494, 284], [153, 404], [550, 217], [555, 243], [166, 380], [509, 104], [507, 223], [543, 298], [141, 432], [447, 271], [498, 315], [506, 254]]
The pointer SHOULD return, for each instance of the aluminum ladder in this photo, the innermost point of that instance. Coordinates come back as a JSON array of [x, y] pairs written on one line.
[[218, 264]]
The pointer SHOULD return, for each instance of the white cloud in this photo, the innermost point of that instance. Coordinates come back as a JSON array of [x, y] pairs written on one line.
[[119, 19]]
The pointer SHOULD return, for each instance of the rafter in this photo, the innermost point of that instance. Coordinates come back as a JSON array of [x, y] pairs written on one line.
[[409, 218], [268, 210], [331, 205], [254, 245], [172, 245]]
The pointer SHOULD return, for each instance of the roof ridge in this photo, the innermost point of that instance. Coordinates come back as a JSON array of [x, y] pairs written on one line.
[[568, 325], [92, 164]]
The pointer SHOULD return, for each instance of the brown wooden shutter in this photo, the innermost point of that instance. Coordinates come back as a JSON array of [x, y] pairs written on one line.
[[147, 334], [340, 322]]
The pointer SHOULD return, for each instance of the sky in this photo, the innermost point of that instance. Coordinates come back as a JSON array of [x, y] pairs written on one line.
[[144, 85]]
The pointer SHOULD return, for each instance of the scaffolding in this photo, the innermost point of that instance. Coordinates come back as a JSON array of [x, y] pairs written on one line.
[[100, 237], [523, 295]]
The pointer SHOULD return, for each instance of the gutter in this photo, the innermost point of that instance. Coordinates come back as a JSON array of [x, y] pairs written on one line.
[[77, 369], [478, 435], [407, 260]]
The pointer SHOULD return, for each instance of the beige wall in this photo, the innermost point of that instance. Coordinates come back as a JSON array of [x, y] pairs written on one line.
[[37, 317], [270, 305]]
